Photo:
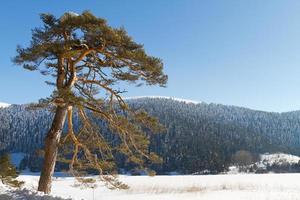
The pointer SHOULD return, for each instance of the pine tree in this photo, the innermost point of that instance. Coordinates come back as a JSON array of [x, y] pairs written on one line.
[[89, 59], [8, 172]]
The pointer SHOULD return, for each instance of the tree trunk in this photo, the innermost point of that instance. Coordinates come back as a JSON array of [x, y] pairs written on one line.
[[51, 145]]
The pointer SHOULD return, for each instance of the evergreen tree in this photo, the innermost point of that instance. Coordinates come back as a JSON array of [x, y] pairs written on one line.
[[8, 172], [89, 59]]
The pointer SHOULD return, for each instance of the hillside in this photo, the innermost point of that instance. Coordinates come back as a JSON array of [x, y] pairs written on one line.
[[198, 135]]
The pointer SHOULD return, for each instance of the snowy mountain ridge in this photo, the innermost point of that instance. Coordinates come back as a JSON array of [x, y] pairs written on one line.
[[164, 97], [4, 105]]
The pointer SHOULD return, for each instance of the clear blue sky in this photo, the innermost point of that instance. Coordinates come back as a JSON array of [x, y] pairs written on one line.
[[244, 53]]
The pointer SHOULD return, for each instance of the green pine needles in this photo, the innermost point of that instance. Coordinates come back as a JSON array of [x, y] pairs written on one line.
[[8, 172]]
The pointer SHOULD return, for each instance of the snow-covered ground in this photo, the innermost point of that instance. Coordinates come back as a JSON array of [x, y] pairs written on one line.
[[210, 187]]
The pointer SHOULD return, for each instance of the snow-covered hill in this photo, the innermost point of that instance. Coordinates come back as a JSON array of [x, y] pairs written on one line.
[[164, 97], [279, 159], [267, 162], [4, 105]]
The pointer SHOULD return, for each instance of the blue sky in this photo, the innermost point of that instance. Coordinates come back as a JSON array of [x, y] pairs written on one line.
[[244, 53]]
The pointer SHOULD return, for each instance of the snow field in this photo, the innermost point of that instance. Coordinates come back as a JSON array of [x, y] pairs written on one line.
[[209, 187]]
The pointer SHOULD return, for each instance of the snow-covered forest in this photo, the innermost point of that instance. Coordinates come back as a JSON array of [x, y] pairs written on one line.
[[198, 136]]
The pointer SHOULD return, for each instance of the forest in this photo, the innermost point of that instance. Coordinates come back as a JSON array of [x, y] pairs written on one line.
[[197, 137]]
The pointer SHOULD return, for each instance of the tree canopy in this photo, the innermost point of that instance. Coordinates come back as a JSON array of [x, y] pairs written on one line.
[[88, 60]]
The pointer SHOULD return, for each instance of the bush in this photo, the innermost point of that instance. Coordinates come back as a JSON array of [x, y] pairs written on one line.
[[8, 172], [243, 158]]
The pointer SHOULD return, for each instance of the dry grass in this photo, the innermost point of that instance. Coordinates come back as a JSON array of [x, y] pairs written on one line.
[[158, 189], [164, 190]]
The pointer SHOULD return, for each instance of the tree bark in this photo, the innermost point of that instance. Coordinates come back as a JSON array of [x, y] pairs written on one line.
[[51, 145]]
